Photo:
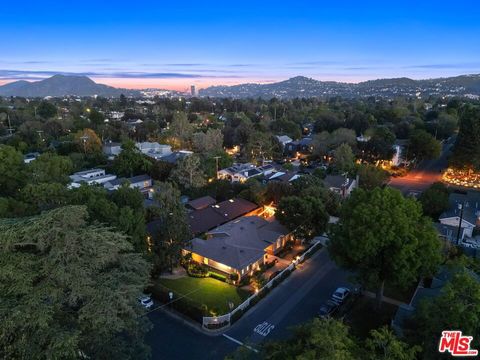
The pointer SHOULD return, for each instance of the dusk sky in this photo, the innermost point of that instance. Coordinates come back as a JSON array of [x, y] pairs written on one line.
[[175, 44]]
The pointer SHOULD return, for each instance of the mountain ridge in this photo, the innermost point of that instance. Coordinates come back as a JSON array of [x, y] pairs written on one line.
[[301, 86], [62, 85], [295, 87]]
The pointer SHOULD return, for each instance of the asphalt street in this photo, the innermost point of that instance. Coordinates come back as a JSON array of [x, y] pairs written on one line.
[[426, 173], [294, 301]]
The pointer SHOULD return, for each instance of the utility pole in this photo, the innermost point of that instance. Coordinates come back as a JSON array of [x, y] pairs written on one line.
[[216, 166], [10, 129], [460, 207]]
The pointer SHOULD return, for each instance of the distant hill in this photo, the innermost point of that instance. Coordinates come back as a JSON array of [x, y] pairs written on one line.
[[61, 85], [300, 86]]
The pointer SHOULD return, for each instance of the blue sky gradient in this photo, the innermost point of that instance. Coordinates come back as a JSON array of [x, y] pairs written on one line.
[[173, 45]]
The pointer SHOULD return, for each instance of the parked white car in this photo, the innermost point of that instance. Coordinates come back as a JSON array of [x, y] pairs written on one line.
[[146, 301], [340, 294]]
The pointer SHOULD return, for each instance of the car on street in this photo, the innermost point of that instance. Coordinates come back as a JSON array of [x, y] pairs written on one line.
[[340, 294], [328, 308], [146, 301]]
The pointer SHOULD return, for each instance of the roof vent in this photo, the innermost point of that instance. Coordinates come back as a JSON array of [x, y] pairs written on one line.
[[224, 247], [241, 250]]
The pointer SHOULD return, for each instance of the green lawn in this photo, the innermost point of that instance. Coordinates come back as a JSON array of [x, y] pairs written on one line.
[[213, 293], [363, 316]]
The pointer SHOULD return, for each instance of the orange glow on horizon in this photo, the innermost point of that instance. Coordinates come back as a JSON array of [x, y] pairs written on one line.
[[183, 84]]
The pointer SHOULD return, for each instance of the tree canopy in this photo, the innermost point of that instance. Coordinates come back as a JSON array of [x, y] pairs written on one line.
[[384, 237], [306, 216], [68, 290], [457, 307], [434, 200]]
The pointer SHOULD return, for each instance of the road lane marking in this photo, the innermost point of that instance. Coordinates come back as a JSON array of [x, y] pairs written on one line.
[[264, 328], [240, 343]]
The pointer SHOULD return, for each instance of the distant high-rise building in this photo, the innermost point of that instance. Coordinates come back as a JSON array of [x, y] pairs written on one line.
[[193, 90]]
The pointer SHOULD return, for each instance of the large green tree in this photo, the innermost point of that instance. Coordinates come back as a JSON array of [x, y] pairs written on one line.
[[384, 237], [466, 152], [130, 161], [382, 344], [456, 308], [434, 200], [305, 216], [327, 339], [49, 167], [189, 173], [12, 170], [344, 159], [422, 145], [174, 233], [68, 290], [319, 339], [371, 176]]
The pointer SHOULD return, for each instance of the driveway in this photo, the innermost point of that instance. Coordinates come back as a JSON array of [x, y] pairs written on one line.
[[294, 301]]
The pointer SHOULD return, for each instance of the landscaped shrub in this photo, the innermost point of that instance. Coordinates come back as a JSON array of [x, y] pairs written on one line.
[[234, 277], [217, 276], [197, 270]]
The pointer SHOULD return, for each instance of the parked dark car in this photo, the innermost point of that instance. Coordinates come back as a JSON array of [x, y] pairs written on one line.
[[328, 308]]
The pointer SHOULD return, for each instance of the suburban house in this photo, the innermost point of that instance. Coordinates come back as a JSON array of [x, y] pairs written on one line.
[[422, 293], [133, 123], [141, 182], [283, 176], [112, 149], [90, 177], [240, 246], [303, 146], [154, 149], [340, 184], [465, 205], [243, 172], [175, 156], [284, 140], [211, 216], [204, 215]]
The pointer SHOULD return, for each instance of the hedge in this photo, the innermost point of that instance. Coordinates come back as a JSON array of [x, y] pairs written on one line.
[[217, 276]]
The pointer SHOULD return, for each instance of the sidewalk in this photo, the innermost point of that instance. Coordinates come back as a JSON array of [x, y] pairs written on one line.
[[384, 299]]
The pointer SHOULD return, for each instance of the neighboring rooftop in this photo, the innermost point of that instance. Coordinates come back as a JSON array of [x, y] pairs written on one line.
[[214, 215], [337, 181], [239, 243], [201, 203], [471, 202]]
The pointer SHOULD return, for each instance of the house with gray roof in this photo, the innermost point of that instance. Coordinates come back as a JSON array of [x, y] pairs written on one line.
[[465, 205], [243, 172], [284, 140], [426, 293], [240, 246], [140, 182], [340, 184]]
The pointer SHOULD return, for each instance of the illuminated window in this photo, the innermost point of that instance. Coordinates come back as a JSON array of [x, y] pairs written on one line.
[[205, 261]]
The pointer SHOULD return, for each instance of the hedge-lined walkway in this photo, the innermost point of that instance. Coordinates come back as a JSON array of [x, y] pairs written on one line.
[[213, 293]]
